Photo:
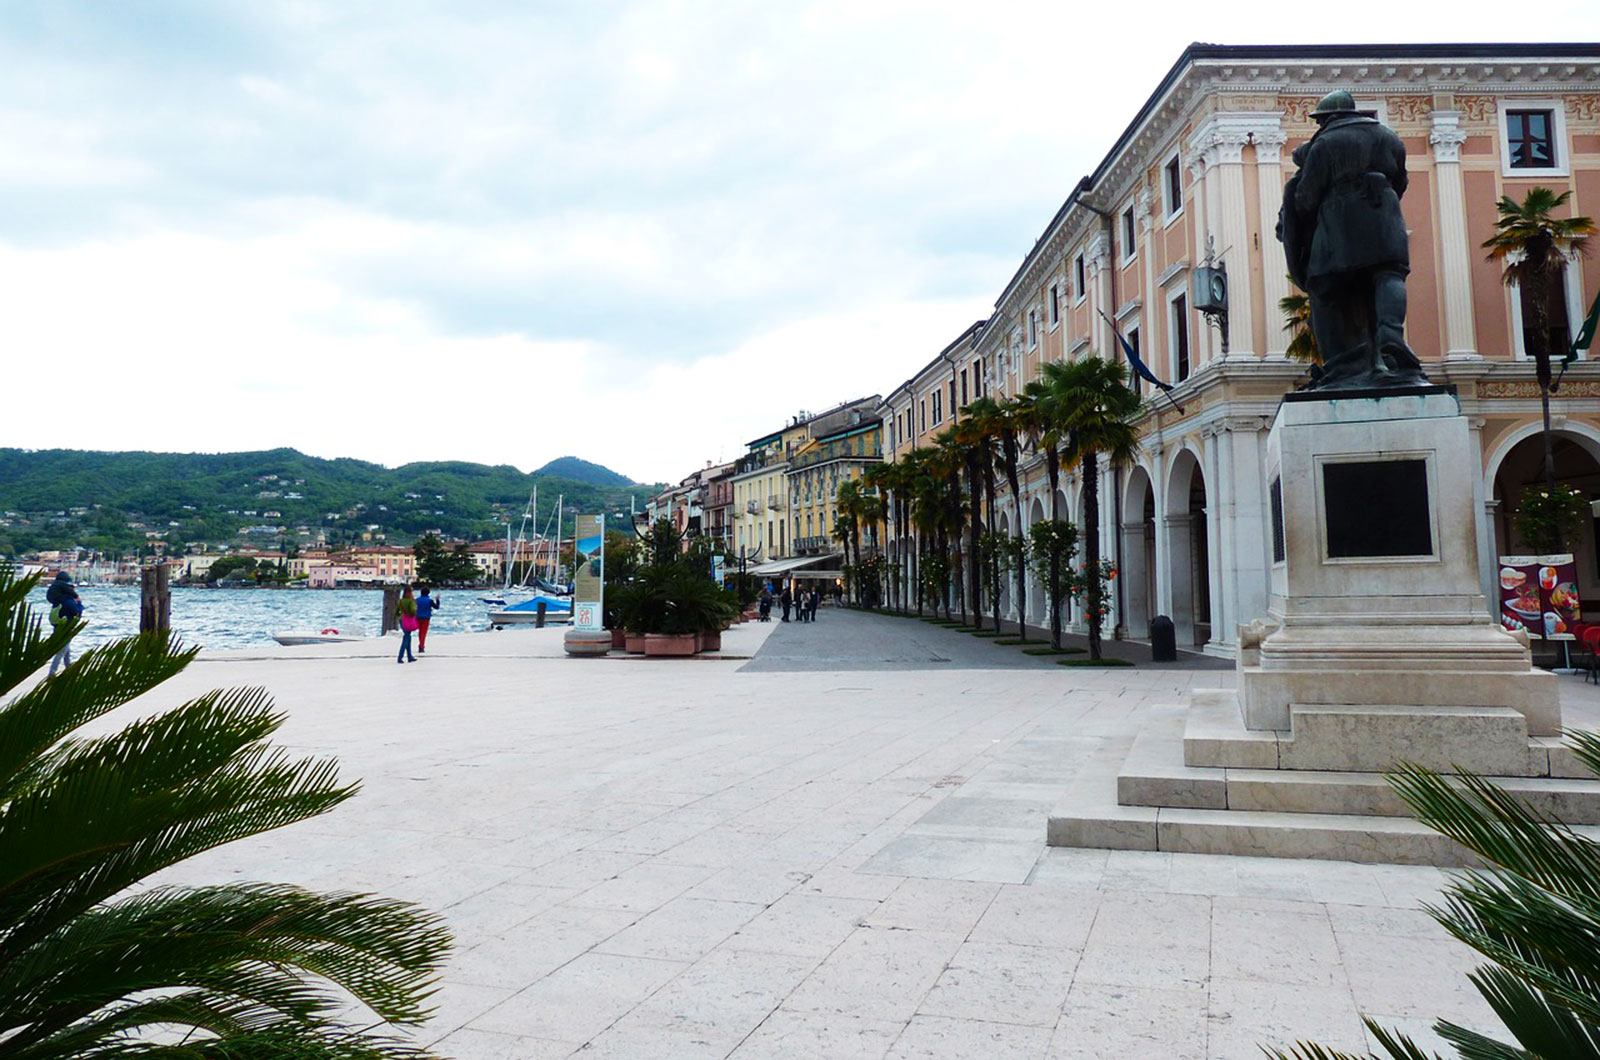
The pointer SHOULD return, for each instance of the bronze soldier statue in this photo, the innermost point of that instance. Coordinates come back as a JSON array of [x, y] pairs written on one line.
[[1345, 241]]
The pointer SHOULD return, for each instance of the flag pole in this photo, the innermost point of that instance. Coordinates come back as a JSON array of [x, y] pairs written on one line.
[[1135, 364]]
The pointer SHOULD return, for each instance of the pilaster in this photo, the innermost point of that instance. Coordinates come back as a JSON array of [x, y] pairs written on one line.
[[1455, 252], [1274, 266]]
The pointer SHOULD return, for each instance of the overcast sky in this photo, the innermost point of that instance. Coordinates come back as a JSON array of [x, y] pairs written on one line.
[[638, 232]]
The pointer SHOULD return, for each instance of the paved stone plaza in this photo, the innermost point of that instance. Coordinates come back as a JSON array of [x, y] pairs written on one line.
[[771, 858]]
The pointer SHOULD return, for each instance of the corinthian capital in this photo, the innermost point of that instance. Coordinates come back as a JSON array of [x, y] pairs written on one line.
[[1447, 136]]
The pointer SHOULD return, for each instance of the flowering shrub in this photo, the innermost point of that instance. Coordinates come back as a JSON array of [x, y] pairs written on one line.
[[1546, 519]]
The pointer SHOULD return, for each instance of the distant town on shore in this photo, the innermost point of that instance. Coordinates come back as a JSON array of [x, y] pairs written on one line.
[[101, 515]]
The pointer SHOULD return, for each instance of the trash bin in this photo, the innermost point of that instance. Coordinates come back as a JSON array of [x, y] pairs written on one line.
[[1163, 640]]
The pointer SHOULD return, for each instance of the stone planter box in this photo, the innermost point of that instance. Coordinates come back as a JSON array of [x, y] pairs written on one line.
[[633, 642], [669, 644], [711, 641], [619, 639]]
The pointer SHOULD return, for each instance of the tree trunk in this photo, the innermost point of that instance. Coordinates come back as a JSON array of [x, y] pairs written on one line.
[[994, 570], [1022, 565], [975, 506], [1093, 591], [1052, 466]]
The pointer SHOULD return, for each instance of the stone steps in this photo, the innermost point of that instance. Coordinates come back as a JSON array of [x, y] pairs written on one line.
[[1196, 781], [1215, 737], [1367, 738]]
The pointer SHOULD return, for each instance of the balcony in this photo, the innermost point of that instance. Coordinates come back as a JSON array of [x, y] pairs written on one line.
[[772, 500], [811, 546], [871, 452], [752, 506]]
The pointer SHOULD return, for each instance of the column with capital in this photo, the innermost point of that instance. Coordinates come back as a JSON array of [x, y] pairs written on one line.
[[1269, 141], [1097, 262], [1200, 344], [1220, 142], [1455, 252]]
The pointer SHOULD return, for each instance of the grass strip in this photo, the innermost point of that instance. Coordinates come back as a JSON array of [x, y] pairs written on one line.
[[1093, 662], [1047, 650], [1009, 640], [984, 633]]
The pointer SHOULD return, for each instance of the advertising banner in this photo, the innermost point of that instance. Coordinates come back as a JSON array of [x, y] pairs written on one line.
[[1540, 594], [589, 572]]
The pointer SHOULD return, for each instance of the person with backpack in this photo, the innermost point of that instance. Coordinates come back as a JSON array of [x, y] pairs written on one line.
[[65, 608]]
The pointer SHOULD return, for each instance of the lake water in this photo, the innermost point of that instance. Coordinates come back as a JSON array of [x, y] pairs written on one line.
[[242, 618]]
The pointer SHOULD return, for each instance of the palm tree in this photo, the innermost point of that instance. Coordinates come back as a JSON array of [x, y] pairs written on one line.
[[978, 456], [885, 480], [871, 513], [1531, 910], [950, 459], [1037, 414], [924, 510], [1296, 309], [998, 423], [1095, 409], [847, 525], [94, 961], [1534, 247]]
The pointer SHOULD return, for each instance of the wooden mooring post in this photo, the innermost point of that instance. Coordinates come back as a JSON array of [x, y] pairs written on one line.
[[155, 599], [391, 601]]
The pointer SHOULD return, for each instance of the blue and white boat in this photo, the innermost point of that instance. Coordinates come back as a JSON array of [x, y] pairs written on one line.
[[556, 609], [517, 604]]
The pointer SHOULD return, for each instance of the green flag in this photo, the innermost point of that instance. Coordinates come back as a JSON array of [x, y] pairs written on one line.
[[1585, 333]]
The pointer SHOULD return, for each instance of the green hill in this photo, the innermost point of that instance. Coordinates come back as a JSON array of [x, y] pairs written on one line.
[[582, 471], [113, 502]]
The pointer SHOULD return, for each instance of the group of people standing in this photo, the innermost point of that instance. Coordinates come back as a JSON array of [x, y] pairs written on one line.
[[414, 613], [803, 603]]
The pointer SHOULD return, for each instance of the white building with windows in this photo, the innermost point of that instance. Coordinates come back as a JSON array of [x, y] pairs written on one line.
[[1196, 177]]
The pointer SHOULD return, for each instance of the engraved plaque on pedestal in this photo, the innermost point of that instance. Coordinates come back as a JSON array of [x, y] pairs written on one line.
[[1377, 508]]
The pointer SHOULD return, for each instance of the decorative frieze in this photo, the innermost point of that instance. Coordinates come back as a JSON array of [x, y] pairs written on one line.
[[1409, 109], [1528, 388], [1584, 107]]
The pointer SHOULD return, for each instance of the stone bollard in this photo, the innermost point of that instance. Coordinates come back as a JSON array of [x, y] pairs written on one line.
[[592, 642]]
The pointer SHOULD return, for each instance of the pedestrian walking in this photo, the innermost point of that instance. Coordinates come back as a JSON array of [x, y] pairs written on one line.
[[766, 603], [65, 608], [406, 612], [812, 601], [786, 601], [426, 606]]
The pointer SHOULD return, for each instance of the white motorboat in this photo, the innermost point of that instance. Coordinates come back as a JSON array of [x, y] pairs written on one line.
[[296, 637]]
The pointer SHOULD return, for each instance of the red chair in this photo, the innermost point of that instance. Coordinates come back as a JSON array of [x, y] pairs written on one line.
[[1589, 637]]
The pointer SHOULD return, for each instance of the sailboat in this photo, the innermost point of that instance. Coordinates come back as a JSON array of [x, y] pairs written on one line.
[[521, 603]]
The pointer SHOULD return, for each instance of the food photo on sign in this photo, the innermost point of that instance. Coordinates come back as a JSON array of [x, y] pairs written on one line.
[[1540, 594]]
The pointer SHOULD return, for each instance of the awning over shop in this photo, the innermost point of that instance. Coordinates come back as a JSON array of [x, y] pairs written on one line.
[[784, 566]]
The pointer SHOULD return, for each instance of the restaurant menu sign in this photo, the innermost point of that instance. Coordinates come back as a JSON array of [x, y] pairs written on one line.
[[1540, 594], [589, 573]]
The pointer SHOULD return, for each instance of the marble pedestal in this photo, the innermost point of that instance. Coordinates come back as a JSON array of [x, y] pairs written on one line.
[[1375, 591], [1378, 647]]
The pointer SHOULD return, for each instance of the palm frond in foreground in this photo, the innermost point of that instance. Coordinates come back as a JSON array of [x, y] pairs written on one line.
[[1532, 911], [92, 965]]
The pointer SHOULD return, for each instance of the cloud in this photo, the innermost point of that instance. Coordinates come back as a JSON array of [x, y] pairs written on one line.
[[553, 226]]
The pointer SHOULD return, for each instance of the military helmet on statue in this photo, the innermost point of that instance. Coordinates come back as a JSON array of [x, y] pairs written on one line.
[[1335, 103]]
